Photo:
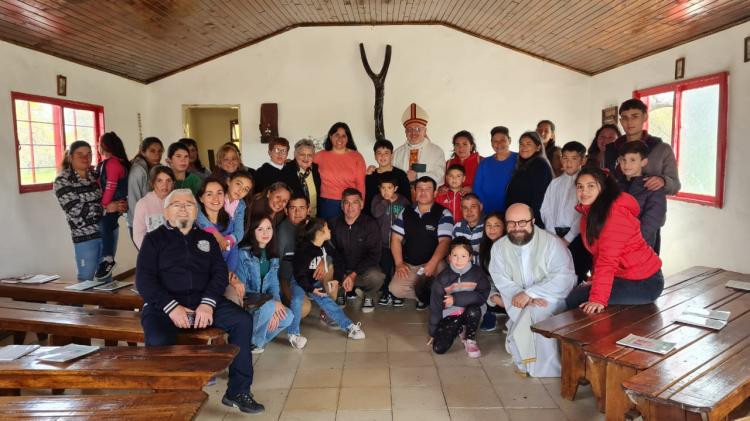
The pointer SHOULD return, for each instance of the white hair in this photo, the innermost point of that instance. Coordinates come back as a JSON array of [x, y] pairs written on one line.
[[170, 197]]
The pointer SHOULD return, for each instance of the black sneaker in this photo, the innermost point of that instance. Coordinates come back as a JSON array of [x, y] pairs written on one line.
[[398, 302], [351, 295], [489, 322], [341, 301], [421, 306], [386, 299], [104, 271], [244, 402]]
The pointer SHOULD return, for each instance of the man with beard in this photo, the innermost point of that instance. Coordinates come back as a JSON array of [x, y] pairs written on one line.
[[181, 276], [533, 271]]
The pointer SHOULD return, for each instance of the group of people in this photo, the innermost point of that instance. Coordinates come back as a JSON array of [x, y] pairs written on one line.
[[249, 250]]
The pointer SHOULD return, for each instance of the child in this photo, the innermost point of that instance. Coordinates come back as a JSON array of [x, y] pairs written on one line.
[[558, 209], [653, 214], [270, 172], [178, 158], [385, 209], [258, 272], [314, 249], [240, 187], [384, 156], [451, 199], [113, 181], [458, 294]]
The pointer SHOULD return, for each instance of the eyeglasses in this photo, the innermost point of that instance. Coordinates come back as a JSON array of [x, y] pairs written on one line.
[[182, 205], [414, 129], [280, 151], [520, 224]]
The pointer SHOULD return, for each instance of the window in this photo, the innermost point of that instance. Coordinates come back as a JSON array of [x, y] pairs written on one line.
[[44, 127], [692, 115]]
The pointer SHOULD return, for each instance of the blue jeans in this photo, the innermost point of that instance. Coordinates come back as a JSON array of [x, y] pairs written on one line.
[[623, 291], [328, 208], [296, 302], [330, 308], [262, 317], [88, 254], [109, 229]]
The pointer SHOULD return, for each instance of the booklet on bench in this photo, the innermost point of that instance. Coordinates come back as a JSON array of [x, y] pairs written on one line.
[[647, 344], [83, 286], [67, 353], [745, 286], [113, 286], [14, 352], [699, 321], [30, 279], [710, 314]]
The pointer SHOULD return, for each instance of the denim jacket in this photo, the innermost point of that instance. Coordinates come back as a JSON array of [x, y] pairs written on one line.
[[248, 270]]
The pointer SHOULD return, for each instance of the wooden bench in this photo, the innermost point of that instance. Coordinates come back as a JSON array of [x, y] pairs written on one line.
[[55, 292], [66, 322], [183, 405], [576, 329], [179, 367]]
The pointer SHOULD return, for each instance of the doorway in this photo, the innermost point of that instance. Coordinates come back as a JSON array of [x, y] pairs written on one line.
[[211, 126]]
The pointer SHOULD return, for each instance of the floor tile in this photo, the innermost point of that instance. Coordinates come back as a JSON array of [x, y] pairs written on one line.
[[363, 415], [397, 343], [320, 399], [472, 376], [371, 343], [365, 398], [466, 396], [536, 414], [295, 415], [456, 356], [366, 377], [429, 397], [366, 359], [332, 360], [414, 376], [479, 414], [410, 359], [318, 345], [421, 415], [273, 379], [318, 377], [524, 395]]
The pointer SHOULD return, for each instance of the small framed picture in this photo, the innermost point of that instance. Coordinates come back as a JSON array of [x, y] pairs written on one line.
[[609, 115], [679, 68], [747, 49], [62, 85]]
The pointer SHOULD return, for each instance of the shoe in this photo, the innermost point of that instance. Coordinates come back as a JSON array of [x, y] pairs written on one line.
[[421, 306], [489, 322], [398, 302], [351, 295], [325, 321], [472, 349], [104, 271], [341, 301], [297, 341], [355, 331], [244, 402], [211, 381], [386, 299], [367, 306], [257, 349]]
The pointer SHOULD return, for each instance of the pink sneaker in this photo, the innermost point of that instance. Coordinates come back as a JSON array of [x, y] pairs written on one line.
[[472, 349]]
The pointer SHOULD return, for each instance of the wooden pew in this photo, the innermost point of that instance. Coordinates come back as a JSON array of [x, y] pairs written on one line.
[[179, 367], [55, 291], [183, 405], [576, 329], [66, 322]]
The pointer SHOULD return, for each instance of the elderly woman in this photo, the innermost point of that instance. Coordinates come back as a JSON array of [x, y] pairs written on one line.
[[341, 167], [302, 175], [149, 211]]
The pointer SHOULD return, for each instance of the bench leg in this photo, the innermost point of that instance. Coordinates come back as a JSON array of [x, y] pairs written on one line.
[[573, 369], [617, 402], [19, 338], [596, 371]]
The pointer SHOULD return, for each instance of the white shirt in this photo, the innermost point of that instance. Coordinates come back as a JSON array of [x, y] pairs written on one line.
[[429, 154], [559, 206]]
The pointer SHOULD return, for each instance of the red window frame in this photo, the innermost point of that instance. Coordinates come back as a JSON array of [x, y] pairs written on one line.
[[678, 88], [59, 126]]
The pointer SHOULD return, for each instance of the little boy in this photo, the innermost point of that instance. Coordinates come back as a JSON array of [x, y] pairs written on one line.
[[386, 207], [384, 156], [270, 172], [558, 209], [451, 199], [633, 159]]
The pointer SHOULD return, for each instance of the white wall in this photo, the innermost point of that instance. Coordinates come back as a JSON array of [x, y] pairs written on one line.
[[695, 234], [36, 237], [317, 78]]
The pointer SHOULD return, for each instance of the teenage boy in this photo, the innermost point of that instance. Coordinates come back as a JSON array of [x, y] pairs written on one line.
[[653, 203], [270, 172], [384, 156], [386, 207], [178, 158], [558, 208], [451, 199]]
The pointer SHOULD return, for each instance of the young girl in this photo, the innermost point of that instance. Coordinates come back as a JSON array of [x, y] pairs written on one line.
[[532, 176], [227, 161], [149, 211], [314, 249], [546, 131], [258, 271], [149, 156], [240, 187], [113, 180], [272, 201], [494, 229], [458, 294], [625, 270], [211, 197], [196, 166]]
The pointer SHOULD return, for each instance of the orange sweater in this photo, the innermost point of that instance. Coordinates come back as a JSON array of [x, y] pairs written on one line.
[[339, 172]]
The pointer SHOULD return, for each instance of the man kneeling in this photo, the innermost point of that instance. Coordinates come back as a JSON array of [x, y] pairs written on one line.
[[533, 270], [182, 277]]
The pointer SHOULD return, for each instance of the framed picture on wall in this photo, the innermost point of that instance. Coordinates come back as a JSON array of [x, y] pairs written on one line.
[[62, 85], [747, 49], [609, 115], [679, 68]]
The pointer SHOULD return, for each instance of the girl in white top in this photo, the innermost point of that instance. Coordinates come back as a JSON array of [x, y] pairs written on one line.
[[149, 211]]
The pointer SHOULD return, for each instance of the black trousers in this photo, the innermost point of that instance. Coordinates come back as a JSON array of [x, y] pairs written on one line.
[[582, 260], [228, 316], [450, 327], [388, 267], [624, 291]]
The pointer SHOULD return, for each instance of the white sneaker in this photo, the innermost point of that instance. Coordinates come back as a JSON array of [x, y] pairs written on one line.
[[355, 331], [257, 350], [297, 341], [367, 306]]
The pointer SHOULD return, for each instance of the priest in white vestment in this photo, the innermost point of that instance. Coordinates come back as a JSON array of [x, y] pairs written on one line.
[[533, 271]]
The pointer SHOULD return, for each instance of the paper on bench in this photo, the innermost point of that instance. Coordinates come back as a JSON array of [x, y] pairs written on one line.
[[113, 286], [647, 344], [745, 286], [14, 352], [40, 279], [701, 321], [83, 286], [68, 352], [706, 313]]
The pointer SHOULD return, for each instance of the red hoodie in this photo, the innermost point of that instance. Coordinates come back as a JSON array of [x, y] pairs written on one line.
[[620, 251]]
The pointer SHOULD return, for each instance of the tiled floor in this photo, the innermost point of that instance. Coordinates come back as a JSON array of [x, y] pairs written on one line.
[[392, 375]]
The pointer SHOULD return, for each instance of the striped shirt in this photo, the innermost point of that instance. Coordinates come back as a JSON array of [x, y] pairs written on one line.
[[444, 228], [474, 235], [81, 199]]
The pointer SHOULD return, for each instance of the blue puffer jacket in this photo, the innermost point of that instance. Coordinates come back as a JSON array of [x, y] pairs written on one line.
[[248, 270]]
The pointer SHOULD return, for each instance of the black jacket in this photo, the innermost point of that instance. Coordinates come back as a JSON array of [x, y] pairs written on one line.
[[372, 182], [266, 175], [477, 297], [173, 269], [306, 259], [290, 177], [528, 185], [653, 206], [359, 243]]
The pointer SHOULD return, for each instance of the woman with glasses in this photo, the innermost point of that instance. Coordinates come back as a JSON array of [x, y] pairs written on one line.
[[270, 172], [302, 175], [149, 211]]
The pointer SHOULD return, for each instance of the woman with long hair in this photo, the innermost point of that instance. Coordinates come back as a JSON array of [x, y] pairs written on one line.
[[113, 180], [271, 202], [149, 211], [606, 134], [149, 155], [464, 154], [625, 269], [494, 229], [546, 131], [532, 176], [341, 167], [211, 203]]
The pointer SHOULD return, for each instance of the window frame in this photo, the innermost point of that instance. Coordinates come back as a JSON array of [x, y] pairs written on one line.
[[678, 88], [59, 123]]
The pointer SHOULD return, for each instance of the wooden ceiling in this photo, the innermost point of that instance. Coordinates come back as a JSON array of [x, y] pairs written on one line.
[[146, 40]]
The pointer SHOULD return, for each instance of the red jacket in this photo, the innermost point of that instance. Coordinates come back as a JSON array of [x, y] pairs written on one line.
[[620, 251], [470, 164], [452, 201]]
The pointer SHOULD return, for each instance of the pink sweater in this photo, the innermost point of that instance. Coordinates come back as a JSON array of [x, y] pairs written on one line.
[[339, 172], [149, 215]]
